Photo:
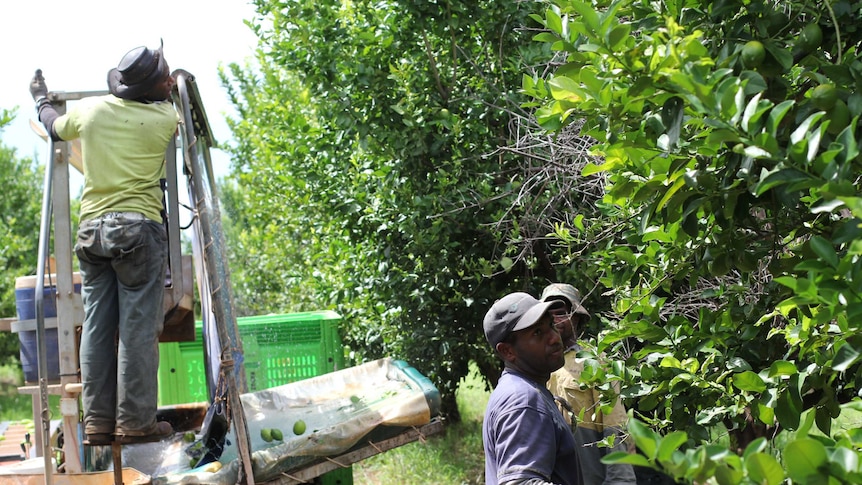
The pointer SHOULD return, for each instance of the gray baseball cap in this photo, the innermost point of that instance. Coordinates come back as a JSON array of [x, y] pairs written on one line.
[[515, 311]]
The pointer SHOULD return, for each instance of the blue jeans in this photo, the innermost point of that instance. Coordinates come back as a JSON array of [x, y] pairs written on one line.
[[123, 258]]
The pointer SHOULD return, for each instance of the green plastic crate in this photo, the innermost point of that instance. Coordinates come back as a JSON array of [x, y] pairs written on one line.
[[278, 349]]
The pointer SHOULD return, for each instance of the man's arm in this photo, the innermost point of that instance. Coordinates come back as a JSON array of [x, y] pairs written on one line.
[[45, 111], [528, 481], [526, 447]]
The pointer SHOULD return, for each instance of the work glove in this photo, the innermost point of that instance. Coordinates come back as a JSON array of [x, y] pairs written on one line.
[[38, 89]]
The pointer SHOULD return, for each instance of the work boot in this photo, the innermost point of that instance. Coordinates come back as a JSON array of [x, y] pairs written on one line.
[[158, 432], [99, 439]]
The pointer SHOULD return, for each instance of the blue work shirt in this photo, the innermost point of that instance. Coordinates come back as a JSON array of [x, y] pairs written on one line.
[[525, 436]]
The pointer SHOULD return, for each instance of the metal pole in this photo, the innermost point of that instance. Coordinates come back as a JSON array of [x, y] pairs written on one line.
[[203, 197], [41, 346]]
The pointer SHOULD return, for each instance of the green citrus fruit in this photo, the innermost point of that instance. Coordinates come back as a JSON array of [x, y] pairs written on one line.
[[277, 434], [824, 96], [775, 22], [839, 117], [299, 427], [752, 54], [266, 434], [810, 38]]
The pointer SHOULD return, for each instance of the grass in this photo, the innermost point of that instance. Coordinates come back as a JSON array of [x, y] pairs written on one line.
[[19, 407], [452, 457]]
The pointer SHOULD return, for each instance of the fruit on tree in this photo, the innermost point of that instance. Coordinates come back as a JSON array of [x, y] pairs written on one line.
[[839, 117], [809, 38], [824, 96], [752, 54]]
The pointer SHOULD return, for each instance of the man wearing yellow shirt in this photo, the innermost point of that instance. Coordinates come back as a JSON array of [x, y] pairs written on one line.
[[121, 242], [583, 404]]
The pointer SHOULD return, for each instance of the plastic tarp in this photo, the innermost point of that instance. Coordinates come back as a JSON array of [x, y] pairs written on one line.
[[337, 410]]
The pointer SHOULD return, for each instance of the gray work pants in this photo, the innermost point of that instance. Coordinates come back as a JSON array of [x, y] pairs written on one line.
[[123, 259]]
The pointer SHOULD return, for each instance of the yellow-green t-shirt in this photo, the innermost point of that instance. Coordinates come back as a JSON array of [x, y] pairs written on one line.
[[123, 147]]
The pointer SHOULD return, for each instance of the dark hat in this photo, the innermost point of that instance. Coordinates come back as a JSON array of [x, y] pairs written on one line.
[[557, 291], [515, 311], [138, 72]]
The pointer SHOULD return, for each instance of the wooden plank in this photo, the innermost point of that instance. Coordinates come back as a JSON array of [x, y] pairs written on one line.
[[6, 324], [309, 473], [54, 389]]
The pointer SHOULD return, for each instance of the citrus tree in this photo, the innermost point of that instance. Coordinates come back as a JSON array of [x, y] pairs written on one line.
[[726, 246], [369, 178]]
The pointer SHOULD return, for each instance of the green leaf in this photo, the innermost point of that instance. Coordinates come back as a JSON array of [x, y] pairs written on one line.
[[748, 381], [847, 139], [618, 35], [803, 458], [672, 117], [765, 414], [788, 409], [669, 444], [553, 21], [756, 446], [776, 115], [824, 250], [565, 88], [777, 177], [546, 37], [588, 14], [753, 112], [782, 368], [847, 460], [622, 457], [788, 281], [764, 469], [801, 132], [646, 439], [726, 475], [846, 356]]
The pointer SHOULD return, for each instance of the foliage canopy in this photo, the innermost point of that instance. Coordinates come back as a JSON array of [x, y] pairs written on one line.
[[371, 179], [733, 178], [693, 167]]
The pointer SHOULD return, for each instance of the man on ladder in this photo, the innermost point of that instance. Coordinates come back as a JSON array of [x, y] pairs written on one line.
[[121, 243]]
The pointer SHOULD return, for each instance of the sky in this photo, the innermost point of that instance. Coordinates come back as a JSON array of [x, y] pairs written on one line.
[[75, 43]]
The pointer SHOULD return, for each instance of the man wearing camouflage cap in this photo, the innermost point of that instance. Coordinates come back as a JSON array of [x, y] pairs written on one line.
[[583, 406]]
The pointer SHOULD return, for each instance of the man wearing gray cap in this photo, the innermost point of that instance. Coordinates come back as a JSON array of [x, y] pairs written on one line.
[[590, 425], [526, 439]]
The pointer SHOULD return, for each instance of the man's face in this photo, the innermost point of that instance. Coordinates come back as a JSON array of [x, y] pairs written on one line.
[[162, 90], [565, 322], [538, 349]]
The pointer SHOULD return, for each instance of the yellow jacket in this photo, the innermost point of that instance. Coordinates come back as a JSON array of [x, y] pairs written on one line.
[[565, 383]]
